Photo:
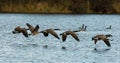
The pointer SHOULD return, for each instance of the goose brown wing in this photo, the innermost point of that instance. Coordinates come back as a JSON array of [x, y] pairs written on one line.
[[64, 36], [35, 31], [51, 31], [95, 41], [74, 36], [18, 29], [107, 42], [24, 31], [30, 27]]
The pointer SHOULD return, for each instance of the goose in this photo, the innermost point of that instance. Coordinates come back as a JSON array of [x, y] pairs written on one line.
[[64, 35], [80, 28], [110, 27], [51, 31], [102, 37], [33, 30], [18, 29], [84, 28], [45, 46], [83, 25], [63, 47]]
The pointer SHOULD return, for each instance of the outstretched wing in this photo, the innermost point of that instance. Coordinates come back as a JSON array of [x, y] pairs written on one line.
[[31, 28], [18, 29], [64, 36], [82, 27], [95, 41], [74, 36], [51, 31], [107, 42], [35, 31], [24, 31]]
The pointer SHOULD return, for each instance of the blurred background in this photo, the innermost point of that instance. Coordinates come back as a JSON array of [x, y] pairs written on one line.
[[61, 6]]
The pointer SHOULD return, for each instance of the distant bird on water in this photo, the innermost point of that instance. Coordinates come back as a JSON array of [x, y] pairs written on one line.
[[110, 27]]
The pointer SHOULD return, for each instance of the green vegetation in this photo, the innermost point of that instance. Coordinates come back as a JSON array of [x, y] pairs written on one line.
[[60, 6]]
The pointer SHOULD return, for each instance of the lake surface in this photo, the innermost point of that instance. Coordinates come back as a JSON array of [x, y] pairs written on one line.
[[15, 48]]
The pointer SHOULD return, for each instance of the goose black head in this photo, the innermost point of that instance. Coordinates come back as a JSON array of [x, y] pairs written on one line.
[[13, 32], [92, 38], [108, 35]]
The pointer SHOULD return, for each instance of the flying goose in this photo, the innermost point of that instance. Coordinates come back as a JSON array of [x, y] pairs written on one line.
[[83, 25], [102, 37], [84, 29], [18, 29], [64, 35], [33, 30], [51, 31]]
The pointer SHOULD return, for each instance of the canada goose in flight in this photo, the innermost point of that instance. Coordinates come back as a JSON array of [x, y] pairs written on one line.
[[110, 27], [83, 25], [84, 28], [76, 31], [33, 30], [24, 32], [18, 29], [51, 31], [102, 37], [64, 35], [80, 28]]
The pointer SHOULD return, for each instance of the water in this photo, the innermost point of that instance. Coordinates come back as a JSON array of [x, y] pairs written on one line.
[[18, 49]]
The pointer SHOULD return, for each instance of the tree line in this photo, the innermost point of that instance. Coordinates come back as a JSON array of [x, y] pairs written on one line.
[[60, 6]]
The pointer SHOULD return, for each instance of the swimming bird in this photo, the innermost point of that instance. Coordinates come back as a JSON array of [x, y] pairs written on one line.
[[33, 30], [110, 27], [45, 46], [51, 31], [102, 37], [64, 35]]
